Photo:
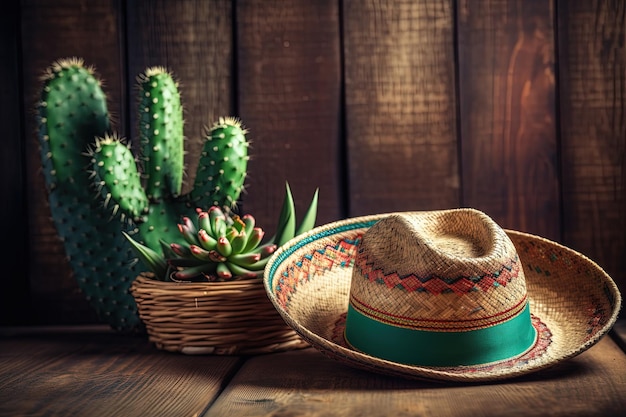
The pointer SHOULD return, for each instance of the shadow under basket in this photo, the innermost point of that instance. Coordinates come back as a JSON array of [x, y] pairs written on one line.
[[221, 318]]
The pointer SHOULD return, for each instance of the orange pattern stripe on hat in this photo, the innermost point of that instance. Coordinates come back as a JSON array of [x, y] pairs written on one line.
[[313, 263], [436, 285]]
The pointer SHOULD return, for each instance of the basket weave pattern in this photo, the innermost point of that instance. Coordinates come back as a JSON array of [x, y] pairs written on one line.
[[221, 318]]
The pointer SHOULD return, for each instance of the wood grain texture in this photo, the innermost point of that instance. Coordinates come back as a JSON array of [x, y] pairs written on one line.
[[50, 31], [98, 373], [14, 297], [194, 40], [593, 130], [307, 383], [507, 113], [400, 105], [289, 96]]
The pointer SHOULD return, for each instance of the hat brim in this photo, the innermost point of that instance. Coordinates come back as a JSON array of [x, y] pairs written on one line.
[[573, 301]]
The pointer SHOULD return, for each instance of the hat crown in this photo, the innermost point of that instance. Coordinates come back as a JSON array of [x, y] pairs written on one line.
[[447, 245], [443, 263]]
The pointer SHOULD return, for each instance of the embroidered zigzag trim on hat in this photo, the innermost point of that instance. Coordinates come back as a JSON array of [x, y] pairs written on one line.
[[437, 285], [317, 262]]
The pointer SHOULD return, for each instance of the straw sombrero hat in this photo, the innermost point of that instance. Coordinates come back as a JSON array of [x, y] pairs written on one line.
[[445, 295]]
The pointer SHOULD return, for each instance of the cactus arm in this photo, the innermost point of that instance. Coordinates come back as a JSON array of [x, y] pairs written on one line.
[[161, 133], [116, 177], [72, 111], [221, 173]]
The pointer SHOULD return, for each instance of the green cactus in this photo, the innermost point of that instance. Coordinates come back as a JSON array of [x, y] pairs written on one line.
[[219, 246], [79, 153]]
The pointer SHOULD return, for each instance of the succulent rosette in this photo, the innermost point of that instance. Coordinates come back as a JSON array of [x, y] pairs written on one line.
[[220, 246]]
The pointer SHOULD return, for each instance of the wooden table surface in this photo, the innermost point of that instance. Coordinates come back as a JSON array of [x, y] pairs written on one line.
[[93, 371]]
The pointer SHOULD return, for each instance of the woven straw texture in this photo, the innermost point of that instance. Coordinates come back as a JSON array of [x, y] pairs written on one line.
[[408, 268], [220, 318], [572, 300]]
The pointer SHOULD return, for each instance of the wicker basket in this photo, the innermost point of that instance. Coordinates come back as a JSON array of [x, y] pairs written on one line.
[[221, 318]]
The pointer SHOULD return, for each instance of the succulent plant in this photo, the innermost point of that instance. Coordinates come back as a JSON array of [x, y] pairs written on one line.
[[94, 185], [222, 246]]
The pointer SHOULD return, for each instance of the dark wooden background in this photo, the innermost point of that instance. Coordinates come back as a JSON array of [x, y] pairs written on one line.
[[514, 107]]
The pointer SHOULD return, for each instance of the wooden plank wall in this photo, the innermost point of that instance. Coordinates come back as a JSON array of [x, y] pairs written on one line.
[[513, 107]]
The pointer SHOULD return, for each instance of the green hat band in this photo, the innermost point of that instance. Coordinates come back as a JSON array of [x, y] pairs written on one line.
[[504, 340]]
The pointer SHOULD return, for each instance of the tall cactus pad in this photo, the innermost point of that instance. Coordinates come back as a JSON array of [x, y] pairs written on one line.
[[223, 165], [71, 112], [161, 133], [114, 163]]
